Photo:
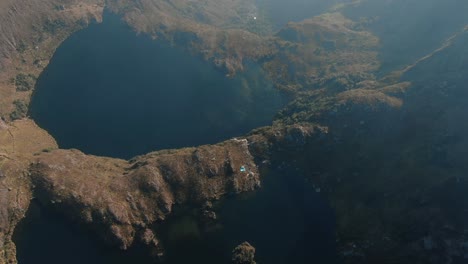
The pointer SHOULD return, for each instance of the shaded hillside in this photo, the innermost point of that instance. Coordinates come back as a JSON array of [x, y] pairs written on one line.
[[409, 29], [323, 52], [394, 165]]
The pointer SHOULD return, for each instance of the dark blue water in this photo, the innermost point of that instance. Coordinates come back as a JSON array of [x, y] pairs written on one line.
[[410, 29], [286, 221], [109, 92], [45, 237]]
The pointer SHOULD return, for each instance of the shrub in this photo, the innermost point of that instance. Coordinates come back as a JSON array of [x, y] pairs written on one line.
[[21, 47], [52, 26], [21, 108], [24, 82]]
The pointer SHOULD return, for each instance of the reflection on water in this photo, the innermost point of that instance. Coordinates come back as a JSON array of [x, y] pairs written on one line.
[[109, 92]]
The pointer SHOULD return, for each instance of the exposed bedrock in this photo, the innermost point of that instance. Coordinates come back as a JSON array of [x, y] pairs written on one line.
[[120, 200]]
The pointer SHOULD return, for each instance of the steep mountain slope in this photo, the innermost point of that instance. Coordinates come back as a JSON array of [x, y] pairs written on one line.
[[409, 29], [394, 163]]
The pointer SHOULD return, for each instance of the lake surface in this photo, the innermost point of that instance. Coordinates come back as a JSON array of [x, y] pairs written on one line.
[[109, 92]]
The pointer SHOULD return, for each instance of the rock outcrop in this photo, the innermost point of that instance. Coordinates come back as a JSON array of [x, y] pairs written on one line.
[[243, 254], [121, 200]]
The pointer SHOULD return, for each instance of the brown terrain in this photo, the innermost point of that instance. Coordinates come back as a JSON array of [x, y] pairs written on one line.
[[368, 142], [132, 196], [20, 141]]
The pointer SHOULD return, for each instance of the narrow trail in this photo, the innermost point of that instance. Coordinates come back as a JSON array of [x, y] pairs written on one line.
[[12, 139]]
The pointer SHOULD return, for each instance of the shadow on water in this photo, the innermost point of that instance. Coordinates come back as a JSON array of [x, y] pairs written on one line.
[[110, 92], [45, 237], [284, 221]]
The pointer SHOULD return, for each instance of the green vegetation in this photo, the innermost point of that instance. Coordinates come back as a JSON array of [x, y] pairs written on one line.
[[37, 62], [21, 109], [59, 7], [52, 26], [24, 82]]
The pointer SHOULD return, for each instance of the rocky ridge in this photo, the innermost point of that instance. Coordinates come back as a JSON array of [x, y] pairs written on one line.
[[122, 200]]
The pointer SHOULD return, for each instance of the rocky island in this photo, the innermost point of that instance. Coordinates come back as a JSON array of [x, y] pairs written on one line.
[[376, 128]]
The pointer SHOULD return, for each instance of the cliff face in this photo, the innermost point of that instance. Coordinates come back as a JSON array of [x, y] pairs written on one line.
[[122, 200], [19, 142]]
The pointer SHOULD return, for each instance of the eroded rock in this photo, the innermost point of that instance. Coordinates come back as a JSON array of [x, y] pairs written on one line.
[[243, 254], [119, 199], [18, 141]]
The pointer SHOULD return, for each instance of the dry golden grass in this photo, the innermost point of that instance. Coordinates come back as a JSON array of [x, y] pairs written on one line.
[[19, 141], [23, 138], [120, 198], [324, 50], [370, 98], [30, 31]]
